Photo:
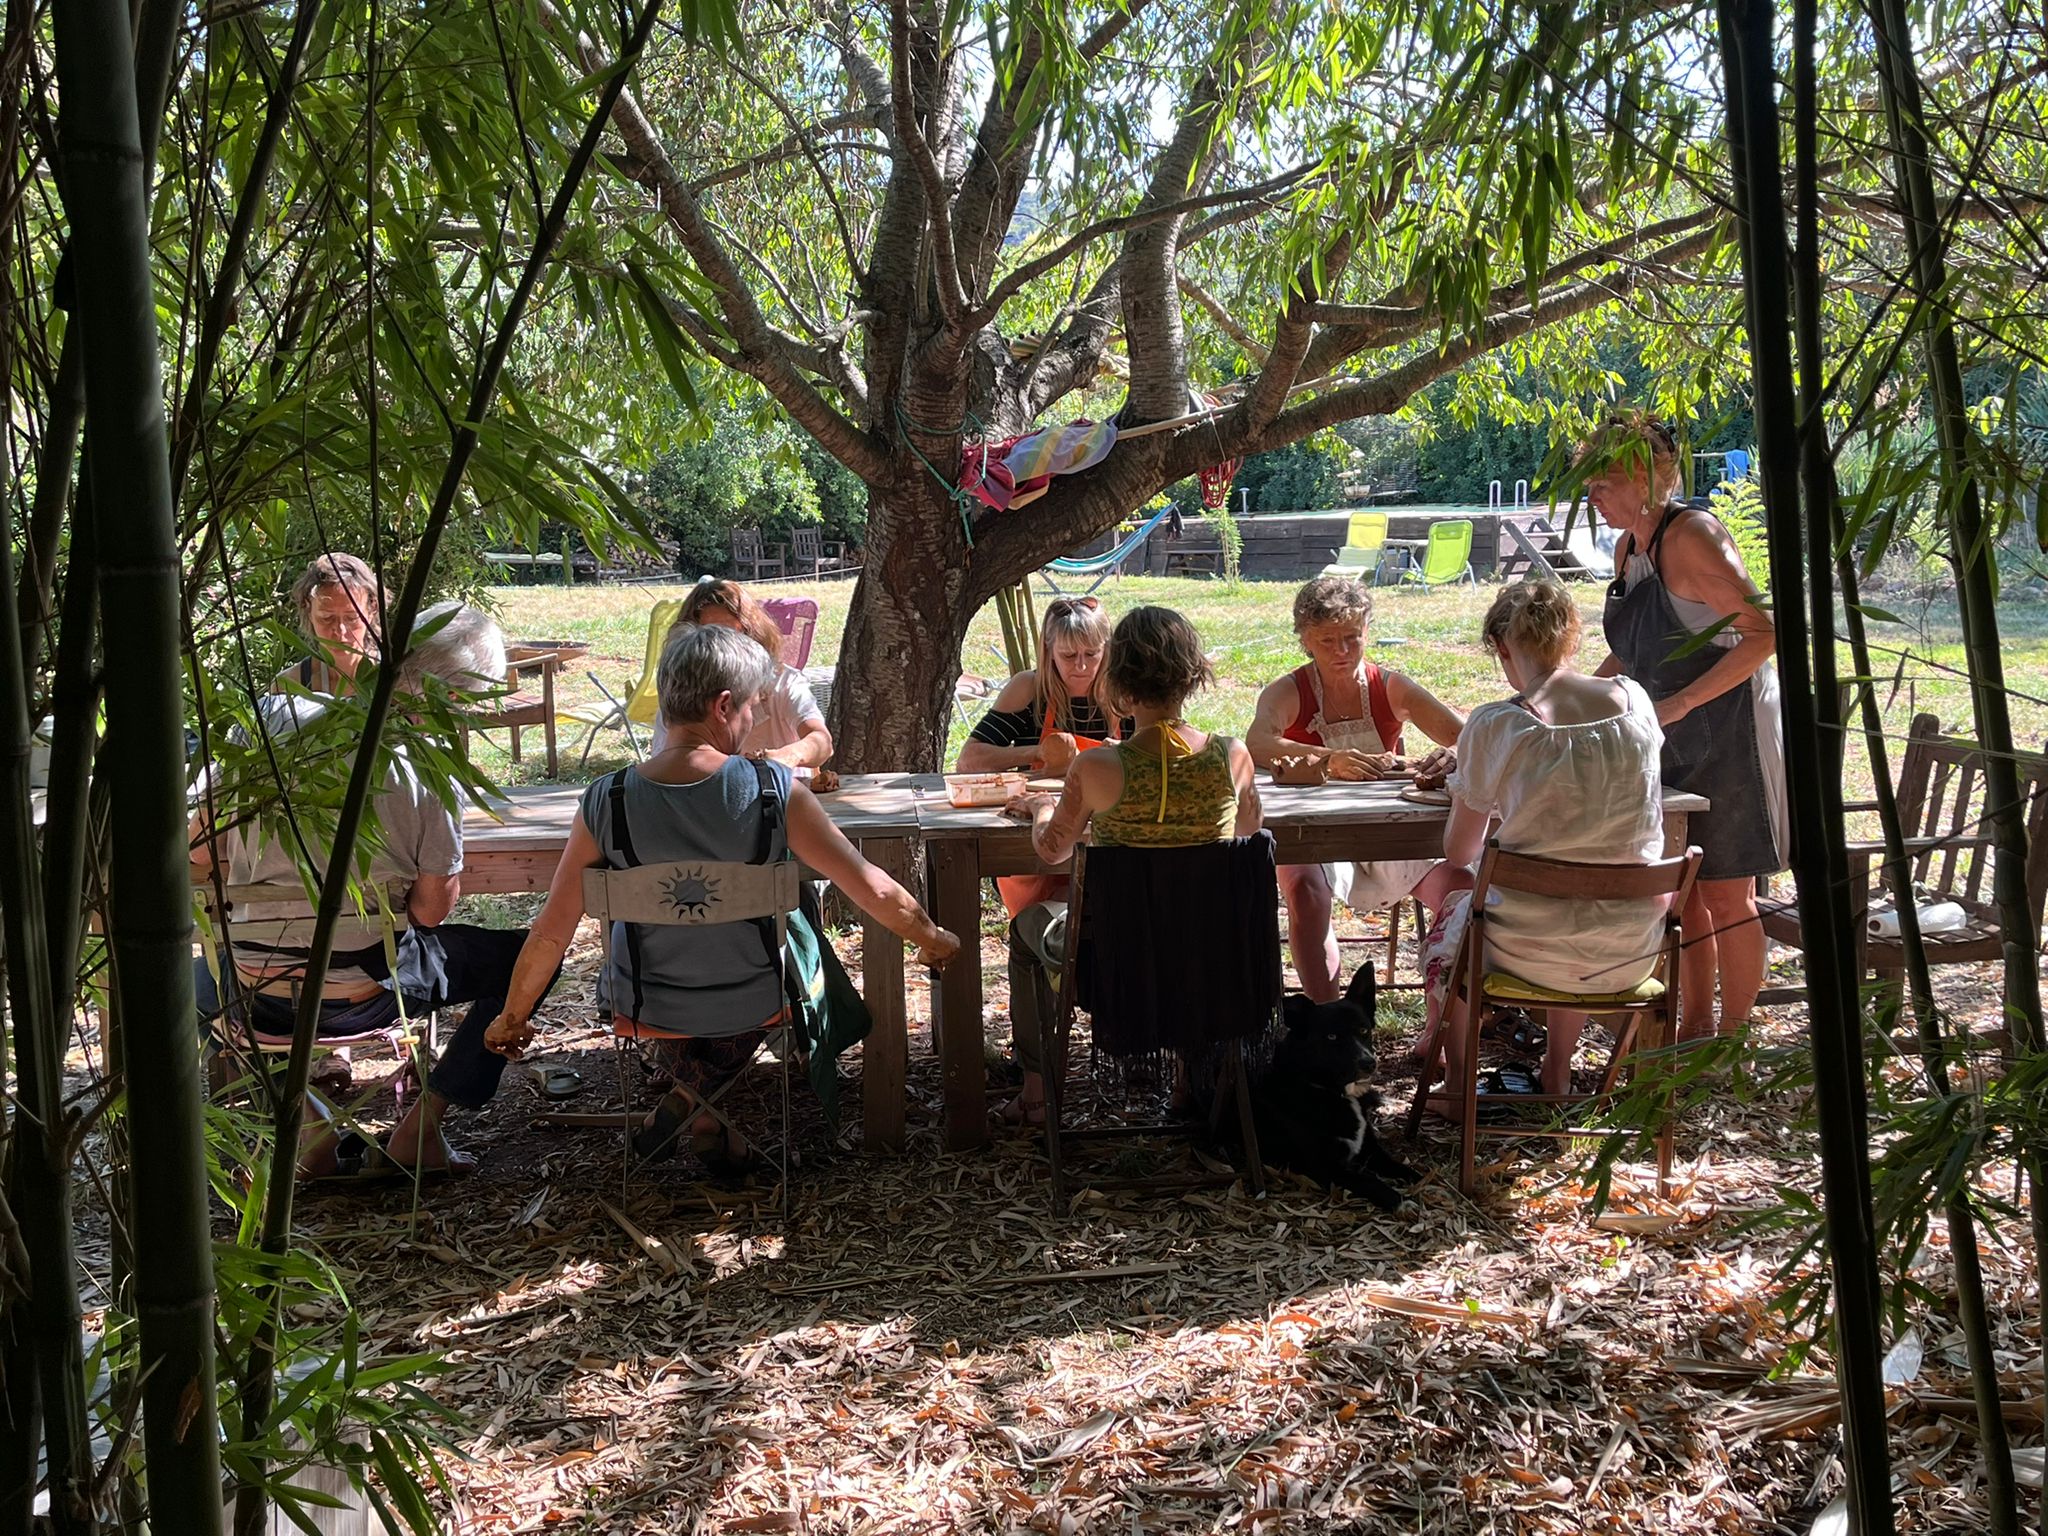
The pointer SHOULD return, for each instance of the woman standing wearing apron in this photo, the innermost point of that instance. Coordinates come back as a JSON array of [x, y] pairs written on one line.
[[1678, 575]]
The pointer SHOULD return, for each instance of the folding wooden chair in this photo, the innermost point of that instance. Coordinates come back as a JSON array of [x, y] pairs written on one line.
[[1233, 1085], [695, 893], [1653, 1001], [288, 920]]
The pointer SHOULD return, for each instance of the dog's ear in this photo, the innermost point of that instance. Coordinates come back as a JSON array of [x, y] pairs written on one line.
[[1296, 1009], [1363, 992]]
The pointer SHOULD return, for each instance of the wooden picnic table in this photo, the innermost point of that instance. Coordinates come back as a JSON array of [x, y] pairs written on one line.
[[1323, 824], [888, 816], [516, 843]]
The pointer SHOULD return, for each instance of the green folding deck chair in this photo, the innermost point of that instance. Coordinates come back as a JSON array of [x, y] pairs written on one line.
[[1447, 557]]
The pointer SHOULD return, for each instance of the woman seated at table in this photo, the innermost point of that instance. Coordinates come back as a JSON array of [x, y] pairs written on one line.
[[789, 728], [700, 797], [1042, 718], [340, 606], [1167, 786], [1349, 710], [1569, 766]]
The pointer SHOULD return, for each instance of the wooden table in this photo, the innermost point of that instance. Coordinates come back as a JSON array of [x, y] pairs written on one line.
[[1323, 824], [516, 845]]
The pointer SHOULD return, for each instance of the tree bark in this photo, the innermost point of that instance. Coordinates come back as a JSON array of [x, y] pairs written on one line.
[[1801, 549], [150, 908], [892, 695]]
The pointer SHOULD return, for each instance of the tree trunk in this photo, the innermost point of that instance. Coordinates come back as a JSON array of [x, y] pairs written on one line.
[[892, 696], [149, 926], [1800, 551]]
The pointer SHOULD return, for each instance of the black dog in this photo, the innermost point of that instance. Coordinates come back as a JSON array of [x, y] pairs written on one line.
[[1312, 1114]]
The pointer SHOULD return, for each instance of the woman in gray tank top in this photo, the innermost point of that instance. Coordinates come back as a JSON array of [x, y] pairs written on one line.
[[697, 797]]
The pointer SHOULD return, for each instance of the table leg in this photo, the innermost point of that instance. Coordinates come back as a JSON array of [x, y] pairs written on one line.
[[547, 703], [956, 905], [1676, 824], [885, 1057]]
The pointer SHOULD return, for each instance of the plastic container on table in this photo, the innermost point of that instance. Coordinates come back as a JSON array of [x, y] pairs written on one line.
[[970, 791]]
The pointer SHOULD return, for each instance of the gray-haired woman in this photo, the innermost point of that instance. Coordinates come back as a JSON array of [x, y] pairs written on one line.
[[698, 798]]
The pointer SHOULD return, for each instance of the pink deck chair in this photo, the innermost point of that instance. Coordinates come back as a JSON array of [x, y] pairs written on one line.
[[797, 618]]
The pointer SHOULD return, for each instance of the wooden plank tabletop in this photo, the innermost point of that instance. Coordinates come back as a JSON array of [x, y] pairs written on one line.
[[535, 817]]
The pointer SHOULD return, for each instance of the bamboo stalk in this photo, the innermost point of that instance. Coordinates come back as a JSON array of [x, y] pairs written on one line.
[[1820, 861], [149, 911], [43, 1184], [260, 1377], [2005, 805]]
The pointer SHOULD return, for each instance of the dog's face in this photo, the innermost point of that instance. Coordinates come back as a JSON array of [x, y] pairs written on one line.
[[1332, 1042]]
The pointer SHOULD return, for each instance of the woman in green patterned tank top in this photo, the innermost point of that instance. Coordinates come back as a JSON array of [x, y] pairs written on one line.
[[1167, 785]]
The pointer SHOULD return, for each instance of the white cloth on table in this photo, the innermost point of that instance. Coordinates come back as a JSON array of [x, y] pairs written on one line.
[[1589, 793]]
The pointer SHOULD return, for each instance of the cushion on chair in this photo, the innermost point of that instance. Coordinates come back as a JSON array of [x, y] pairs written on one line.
[[1499, 984], [632, 1029]]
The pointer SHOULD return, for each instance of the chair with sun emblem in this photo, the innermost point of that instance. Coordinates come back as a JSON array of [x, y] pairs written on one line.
[[695, 893]]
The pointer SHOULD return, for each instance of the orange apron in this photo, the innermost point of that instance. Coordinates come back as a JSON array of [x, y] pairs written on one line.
[[1021, 891]]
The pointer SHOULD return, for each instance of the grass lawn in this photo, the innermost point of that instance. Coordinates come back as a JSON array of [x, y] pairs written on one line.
[[1432, 636]]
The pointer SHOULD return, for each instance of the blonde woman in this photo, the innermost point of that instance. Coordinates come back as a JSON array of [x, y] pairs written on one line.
[[1679, 577], [1043, 717], [1568, 765]]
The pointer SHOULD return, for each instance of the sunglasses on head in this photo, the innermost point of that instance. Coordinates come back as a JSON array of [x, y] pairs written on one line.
[[1072, 605]]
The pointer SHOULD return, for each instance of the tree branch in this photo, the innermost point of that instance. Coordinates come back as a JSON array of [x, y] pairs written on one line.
[[911, 142], [757, 352], [1144, 218], [1226, 322]]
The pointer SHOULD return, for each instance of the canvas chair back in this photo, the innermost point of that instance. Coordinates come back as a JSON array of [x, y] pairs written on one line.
[[1368, 531], [643, 706], [797, 618], [1449, 552]]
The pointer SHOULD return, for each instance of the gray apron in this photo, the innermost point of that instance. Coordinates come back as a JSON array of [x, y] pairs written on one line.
[[1712, 751]]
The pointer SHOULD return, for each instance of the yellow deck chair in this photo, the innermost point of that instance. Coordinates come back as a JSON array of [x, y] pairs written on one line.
[[1365, 546], [642, 705]]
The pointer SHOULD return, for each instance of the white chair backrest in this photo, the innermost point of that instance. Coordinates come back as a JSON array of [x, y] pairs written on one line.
[[277, 911], [690, 892]]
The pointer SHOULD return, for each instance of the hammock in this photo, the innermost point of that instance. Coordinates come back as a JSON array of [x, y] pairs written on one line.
[[1103, 566]]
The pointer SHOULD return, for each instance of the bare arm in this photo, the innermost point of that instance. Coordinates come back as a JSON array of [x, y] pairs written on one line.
[[1094, 780], [1430, 714], [1610, 666], [1701, 563], [811, 749], [541, 955], [1250, 814], [1465, 833], [432, 898], [1273, 714], [820, 844], [981, 756]]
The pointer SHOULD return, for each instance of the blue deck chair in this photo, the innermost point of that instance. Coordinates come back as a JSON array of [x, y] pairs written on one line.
[[1102, 566]]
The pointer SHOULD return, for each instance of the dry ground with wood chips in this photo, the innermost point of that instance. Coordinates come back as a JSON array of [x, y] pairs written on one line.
[[926, 1345]]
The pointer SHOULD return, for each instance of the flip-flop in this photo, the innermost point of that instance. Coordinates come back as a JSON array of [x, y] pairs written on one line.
[[1020, 1115], [561, 1083], [658, 1137], [358, 1160]]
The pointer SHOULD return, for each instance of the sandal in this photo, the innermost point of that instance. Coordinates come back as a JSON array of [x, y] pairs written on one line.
[[657, 1137], [1518, 1029], [1502, 1085], [561, 1083], [1021, 1113]]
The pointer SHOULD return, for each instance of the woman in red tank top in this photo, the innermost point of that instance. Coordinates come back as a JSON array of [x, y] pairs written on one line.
[[1351, 711]]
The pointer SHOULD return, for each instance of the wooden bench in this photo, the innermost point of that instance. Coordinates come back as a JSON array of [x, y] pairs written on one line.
[[1942, 817], [1208, 561]]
